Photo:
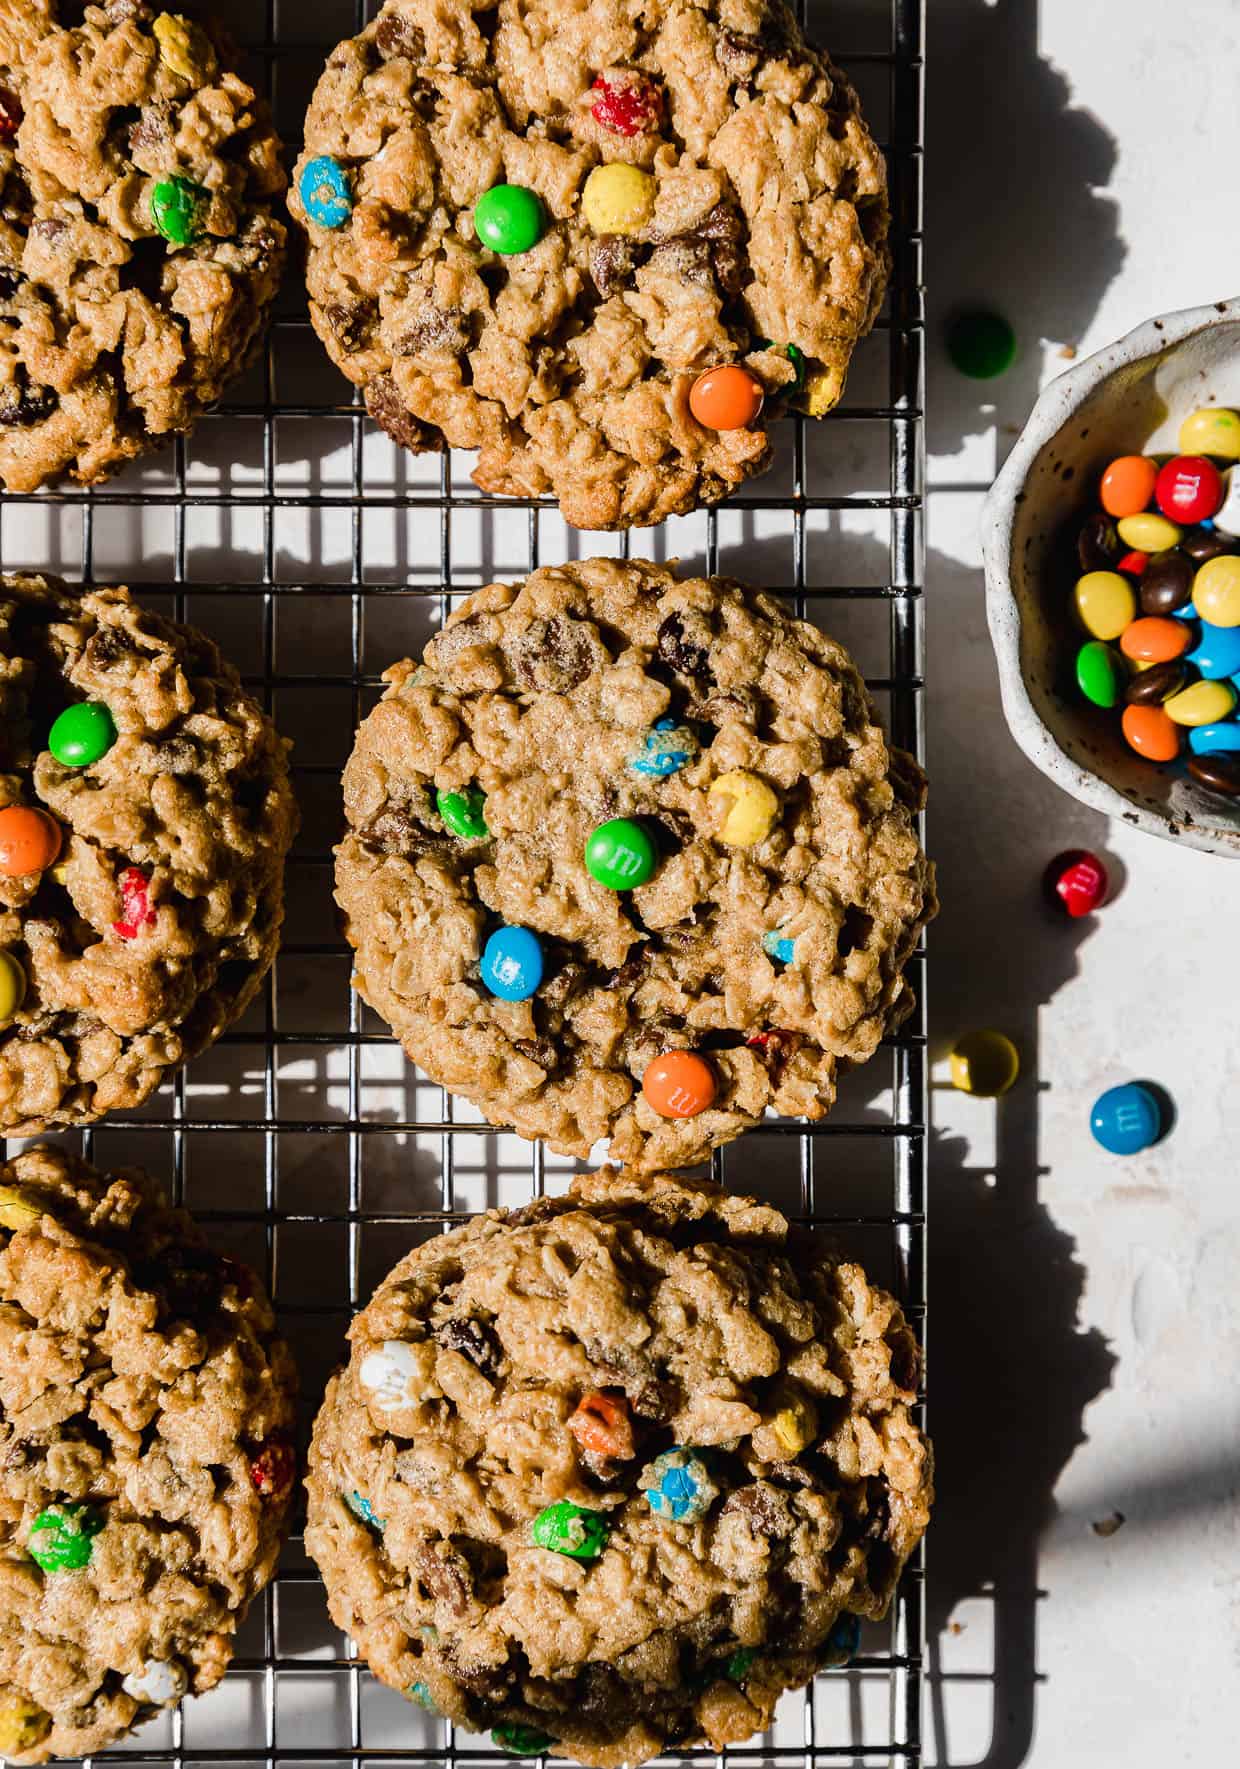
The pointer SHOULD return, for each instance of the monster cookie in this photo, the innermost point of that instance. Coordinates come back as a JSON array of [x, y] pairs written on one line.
[[609, 1474], [591, 241], [145, 812], [146, 1460], [628, 857], [139, 253]]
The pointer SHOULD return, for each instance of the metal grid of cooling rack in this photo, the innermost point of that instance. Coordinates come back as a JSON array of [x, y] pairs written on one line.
[[316, 555]]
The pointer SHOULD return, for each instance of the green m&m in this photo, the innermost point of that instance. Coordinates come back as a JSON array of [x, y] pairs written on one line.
[[620, 854], [1100, 674], [509, 218], [462, 812], [176, 209], [521, 1741], [82, 734], [62, 1537], [738, 1666], [981, 343], [570, 1529]]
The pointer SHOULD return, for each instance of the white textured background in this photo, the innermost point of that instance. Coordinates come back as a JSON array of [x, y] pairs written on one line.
[[1085, 1321]]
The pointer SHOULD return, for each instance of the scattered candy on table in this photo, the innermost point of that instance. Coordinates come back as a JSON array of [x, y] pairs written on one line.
[[618, 199], [521, 1741], [1126, 1119], [1076, 880], [16, 1210], [29, 841], [325, 192], [628, 106], [62, 1537], [387, 1375], [726, 398], [509, 218], [136, 911], [750, 808], [620, 854], [159, 1683], [362, 1508], [981, 344], [602, 1425], [985, 1063], [176, 209], [678, 1486], [512, 963], [274, 1468], [665, 749], [844, 1640], [678, 1084], [462, 812], [82, 734], [565, 1528], [23, 1724], [12, 987]]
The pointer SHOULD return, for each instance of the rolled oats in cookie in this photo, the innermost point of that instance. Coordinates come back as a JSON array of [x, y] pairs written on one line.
[[595, 1532], [145, 815], [691, 878], [602, 244], [141, 1382], [140, 250]]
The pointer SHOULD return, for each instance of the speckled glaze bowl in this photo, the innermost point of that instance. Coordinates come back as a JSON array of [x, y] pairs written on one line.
[[1130, 398]]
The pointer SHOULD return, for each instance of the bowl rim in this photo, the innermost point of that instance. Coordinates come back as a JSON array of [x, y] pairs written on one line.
[[1051, 412]]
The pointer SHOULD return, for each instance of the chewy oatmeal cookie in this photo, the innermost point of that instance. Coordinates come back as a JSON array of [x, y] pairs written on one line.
[[740, 754], [611, 1472], [139, 254], [146, 1459], [736, 214], [145, 813]]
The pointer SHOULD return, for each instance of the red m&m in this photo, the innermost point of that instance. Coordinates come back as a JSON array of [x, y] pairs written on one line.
[[1189, 489], [627, 103], [1076, 880]]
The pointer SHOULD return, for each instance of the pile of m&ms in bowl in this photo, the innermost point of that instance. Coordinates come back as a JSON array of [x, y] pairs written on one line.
[[1158, 600]]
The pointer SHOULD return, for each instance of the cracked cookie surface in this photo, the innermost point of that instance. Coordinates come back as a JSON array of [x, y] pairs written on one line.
[[568, 366], [560, 1356], [775, 962], [154, 927], [116, 331], [146, 1459]]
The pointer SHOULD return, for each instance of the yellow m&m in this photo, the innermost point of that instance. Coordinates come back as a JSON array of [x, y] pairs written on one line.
[[1216, 591], [1105, 603], [12, 987], [1204, 703], [618, 199], [1214, 430], [1149, 532], [750, 808]]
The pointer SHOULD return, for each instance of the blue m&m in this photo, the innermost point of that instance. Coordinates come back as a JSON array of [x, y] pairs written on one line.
[[324, 191], [844, 1640], [1217, 652], [1209, 740], [512, 963], [678, 1486], [1126, 1119], [666, 748], [778, 946]]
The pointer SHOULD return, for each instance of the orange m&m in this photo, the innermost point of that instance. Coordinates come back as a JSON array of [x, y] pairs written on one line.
[[1128, 485], [601, 1423], [29, 841], [679, 1084], [1149, 731], [726, 398], [1155, 639]]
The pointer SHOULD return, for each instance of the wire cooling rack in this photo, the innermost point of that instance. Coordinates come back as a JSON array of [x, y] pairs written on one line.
[[317, 554]]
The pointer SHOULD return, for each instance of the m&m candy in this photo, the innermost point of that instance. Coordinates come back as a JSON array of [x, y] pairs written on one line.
[[82, 734], [136, 910], [1105, 603], [1100, 674], [1201, 703], [664, 750], [1156, 683], [795, 1425], [1154, 639], [1128, 485], [421, 1694], [23, 1725], [29, 841], [509, 219], [1216, 739], [325, 192], [61, 1538], [981, 343], [620, 854], [1167, 582], [601, 1424], [12, 987], [1133, 564], [11, 114], [570, 1529], [627, 103], [182, 46], [1126, 1119], [750, 808], [17, 1212], [738, 1667], [1217, 772], [1227, 516], [726, 398], [1149, 731], [462, 812], [679, 1084], [1214, 430], [844, 1640], [1076, 880], [273, 1468], [521, 1741], [362, 1509], [1189, 488], [512, 963], [985, 1063], [618, 199], [778, 946], [1149, 531], [678, 1486], [1216, 591], [1216, 653], [158, 1683], [177, 204]]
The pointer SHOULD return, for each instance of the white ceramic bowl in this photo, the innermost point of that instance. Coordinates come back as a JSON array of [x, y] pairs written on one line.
[[1129, 399]]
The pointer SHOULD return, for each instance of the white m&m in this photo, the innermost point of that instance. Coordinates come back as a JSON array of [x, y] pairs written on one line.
[[388, 1375]]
